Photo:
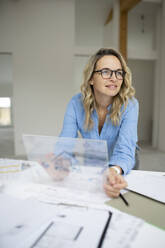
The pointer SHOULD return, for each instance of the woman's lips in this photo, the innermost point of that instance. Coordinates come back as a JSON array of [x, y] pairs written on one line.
[[112, 87]]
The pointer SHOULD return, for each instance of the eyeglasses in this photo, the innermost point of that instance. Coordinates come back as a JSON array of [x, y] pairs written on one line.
[[107, 73]]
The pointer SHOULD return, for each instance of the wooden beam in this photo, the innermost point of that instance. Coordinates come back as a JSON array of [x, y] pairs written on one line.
[[126, 5], [110, 16], [153, 1], [123, 33]]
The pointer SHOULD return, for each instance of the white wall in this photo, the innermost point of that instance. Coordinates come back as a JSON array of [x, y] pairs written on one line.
[[143, 75], [142, 46], [90, 17], [79, 64], [111, 30], [142, 29], [40, 35], [6, 87], [161, 135], [157, 80]]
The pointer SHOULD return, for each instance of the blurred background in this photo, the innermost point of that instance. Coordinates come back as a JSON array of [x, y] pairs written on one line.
[[44, 46]]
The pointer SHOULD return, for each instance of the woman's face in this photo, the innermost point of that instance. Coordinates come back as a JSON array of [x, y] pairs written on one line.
[[106, 82]]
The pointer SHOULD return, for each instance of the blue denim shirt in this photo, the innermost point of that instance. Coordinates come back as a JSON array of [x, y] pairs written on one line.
[[121, 139]]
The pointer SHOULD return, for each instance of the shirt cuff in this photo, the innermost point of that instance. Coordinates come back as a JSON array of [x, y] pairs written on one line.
[[125, 167]]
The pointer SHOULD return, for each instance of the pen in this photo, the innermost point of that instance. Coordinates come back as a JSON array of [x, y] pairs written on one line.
[[124, 200], [104, 231]]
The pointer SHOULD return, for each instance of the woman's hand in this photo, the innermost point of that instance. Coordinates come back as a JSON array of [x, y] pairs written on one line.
[[57, 167], [113, 183]]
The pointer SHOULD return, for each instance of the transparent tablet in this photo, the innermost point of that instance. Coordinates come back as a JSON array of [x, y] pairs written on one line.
[[74, 161]]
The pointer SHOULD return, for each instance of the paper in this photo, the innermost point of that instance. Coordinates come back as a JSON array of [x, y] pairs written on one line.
[[79, 228], [12, 170], [147, 184], [128, 231], [55, 195], [9, 166], [23, 223], [9, 169], [142, 172], [19, 220]]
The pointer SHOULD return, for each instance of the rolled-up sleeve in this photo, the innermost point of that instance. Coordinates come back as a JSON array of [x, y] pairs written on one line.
[[123, 153], [70, 127]]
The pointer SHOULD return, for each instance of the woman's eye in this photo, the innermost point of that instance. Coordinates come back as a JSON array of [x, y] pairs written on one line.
[[120, 73], [105, 71]]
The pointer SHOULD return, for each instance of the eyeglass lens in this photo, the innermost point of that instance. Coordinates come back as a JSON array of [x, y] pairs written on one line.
[[107, 73]]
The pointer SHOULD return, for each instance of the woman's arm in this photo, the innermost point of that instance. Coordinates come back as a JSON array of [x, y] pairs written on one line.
[[123, 156], [70, 128], [124, 150]]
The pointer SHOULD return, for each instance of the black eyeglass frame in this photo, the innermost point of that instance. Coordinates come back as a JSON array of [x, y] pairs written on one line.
[[111, 73]]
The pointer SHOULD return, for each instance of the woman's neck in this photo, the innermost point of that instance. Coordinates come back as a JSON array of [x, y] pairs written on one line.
[[102, 102]]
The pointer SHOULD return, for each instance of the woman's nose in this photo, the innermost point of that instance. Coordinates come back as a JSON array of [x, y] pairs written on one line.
[[113, 76]]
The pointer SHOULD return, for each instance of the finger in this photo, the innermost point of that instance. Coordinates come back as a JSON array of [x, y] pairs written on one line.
[[123, 182], [112, 194], [115, 187], [120, 180], [108, 188], [120, 185]]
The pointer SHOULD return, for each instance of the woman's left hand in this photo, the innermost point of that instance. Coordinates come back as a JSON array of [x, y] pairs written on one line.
[[57, 167], [113, 183]]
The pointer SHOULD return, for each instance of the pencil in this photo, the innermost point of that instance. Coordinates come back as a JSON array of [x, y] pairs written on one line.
[[124, 200]]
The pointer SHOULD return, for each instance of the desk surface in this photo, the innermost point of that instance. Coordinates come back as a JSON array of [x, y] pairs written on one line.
[[150, 210]]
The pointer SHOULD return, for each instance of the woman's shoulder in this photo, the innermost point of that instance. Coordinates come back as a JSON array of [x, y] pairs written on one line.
[[132, 102], [132, 105], [77, 98], [76, 101]]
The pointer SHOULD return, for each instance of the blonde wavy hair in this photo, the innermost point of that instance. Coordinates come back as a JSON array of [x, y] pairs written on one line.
[[126, 91]]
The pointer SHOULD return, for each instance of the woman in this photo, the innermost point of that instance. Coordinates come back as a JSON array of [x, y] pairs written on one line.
[[106, 109]]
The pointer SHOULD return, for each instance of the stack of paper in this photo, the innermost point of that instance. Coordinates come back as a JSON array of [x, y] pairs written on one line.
[[148, 184]]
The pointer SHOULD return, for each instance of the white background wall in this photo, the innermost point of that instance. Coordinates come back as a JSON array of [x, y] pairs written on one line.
[[142, 28], [143, 81], [6, 87], [40, 35], [161, 72], [90, 17]]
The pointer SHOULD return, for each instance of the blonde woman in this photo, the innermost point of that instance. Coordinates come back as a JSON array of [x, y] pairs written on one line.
[[107, 110]]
